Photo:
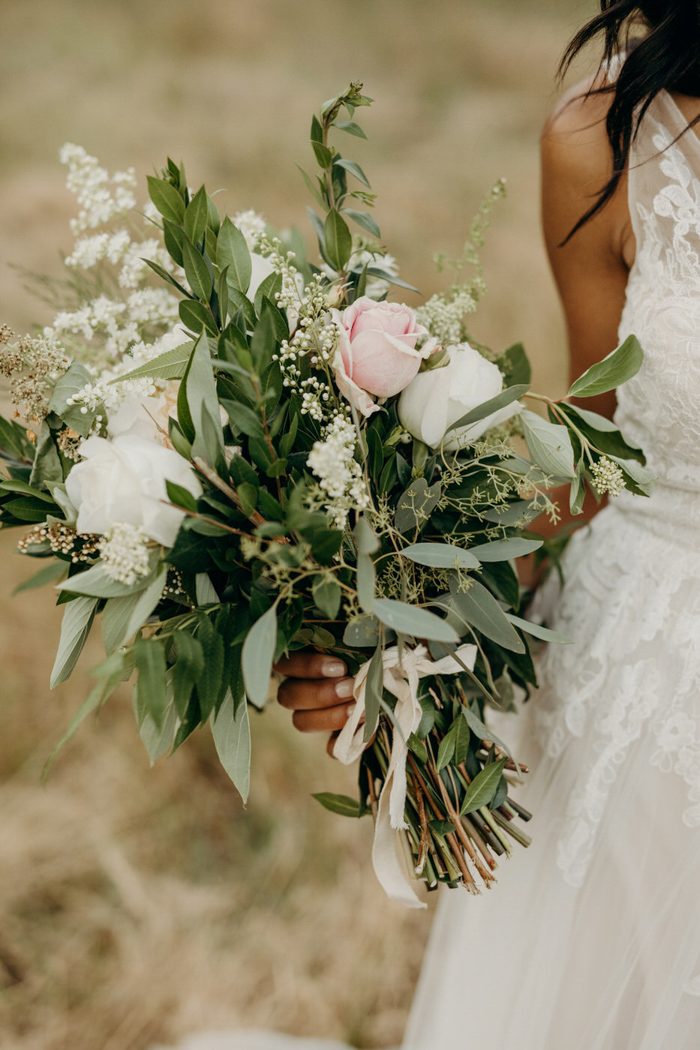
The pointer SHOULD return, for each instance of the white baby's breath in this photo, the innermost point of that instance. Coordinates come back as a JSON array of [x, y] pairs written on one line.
[[340, 478], [125, 554]]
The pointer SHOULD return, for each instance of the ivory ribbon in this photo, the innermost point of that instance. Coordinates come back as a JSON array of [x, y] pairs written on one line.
[[402, 672]]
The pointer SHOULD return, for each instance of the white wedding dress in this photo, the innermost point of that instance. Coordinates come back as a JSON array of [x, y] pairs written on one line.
[[591, 939]]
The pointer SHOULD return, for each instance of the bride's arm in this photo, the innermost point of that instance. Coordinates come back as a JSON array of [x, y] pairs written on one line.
[[592, 268]]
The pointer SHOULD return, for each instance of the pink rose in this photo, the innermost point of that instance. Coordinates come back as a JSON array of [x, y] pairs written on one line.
[[378, 346]]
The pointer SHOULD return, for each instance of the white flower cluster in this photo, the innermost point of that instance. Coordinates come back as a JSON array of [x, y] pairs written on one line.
[[102, 391], [32, 364], [443, 316], [251, 225], [340, 475], [607, 477], [102, 329], [315, 340], [125, 554], [101, 197]]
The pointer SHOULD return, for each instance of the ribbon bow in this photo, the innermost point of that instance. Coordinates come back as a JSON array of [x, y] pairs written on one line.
[[402, 672]]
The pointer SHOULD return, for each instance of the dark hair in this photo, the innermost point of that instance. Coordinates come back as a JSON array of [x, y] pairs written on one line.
[[665, 57]]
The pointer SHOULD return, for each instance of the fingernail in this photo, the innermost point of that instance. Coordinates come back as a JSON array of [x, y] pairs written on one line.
[[333, 668], [344, 689]]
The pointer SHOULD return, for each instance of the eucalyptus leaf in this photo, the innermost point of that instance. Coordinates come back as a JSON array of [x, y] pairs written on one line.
[[230, 728], [151, 690], [441, 556], [549, 444], [617, 368], [258, 654], [374, 691], [538, 631], [478, 607], [75, 628], [504, 550], [123, 617], [341, 804], [412, 620], [494, 404]]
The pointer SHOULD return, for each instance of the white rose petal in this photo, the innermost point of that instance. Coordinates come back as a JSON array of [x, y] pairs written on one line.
[[436, 399], [122, 481]]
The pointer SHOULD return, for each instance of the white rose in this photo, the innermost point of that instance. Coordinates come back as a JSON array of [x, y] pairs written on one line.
[[436, 399], [122, 481], [146, 416]]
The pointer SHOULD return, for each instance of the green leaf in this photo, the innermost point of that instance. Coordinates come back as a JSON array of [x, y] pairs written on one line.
[[151, 692], [611, 372], [66, 387], [374, 692], [50, 573], [483, 732], [16, 485], [75, 628], [258, 654], [337, 239], [196, 271], [230, 728], [342, 804], [232, 252], [412, 620], [196, 215], [326, 593], [95, 583], [210, 682], [462, 735], [351, 127], [515, 366], [549, 445], [441, 556], [365, 537], [187, 669], [202, 397], [494, 404], [504, 550], [170, 365], [180, 496], [195, 316], [173, 236], [166, 199], [123, 617], [446, 749], [416, 504], [159, 739], [483, 787], [165, 276], [365, 220], [538, 631], [479, 608], [352, 167], [362, 632]]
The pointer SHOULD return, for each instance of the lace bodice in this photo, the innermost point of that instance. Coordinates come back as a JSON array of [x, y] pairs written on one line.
[[631, 603], [659, 407]]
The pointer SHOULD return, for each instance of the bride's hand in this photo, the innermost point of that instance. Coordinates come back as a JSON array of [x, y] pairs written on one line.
[[316, 689]]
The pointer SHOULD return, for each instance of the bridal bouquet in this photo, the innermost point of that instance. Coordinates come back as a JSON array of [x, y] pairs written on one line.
[[223, 451]]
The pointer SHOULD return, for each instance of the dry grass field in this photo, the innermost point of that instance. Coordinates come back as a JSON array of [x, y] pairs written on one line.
[[137, 905]]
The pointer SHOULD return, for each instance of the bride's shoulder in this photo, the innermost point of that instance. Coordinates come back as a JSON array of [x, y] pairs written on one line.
[[574, 137]]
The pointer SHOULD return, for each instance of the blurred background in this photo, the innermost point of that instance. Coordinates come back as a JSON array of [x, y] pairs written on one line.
[[137, 904]]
